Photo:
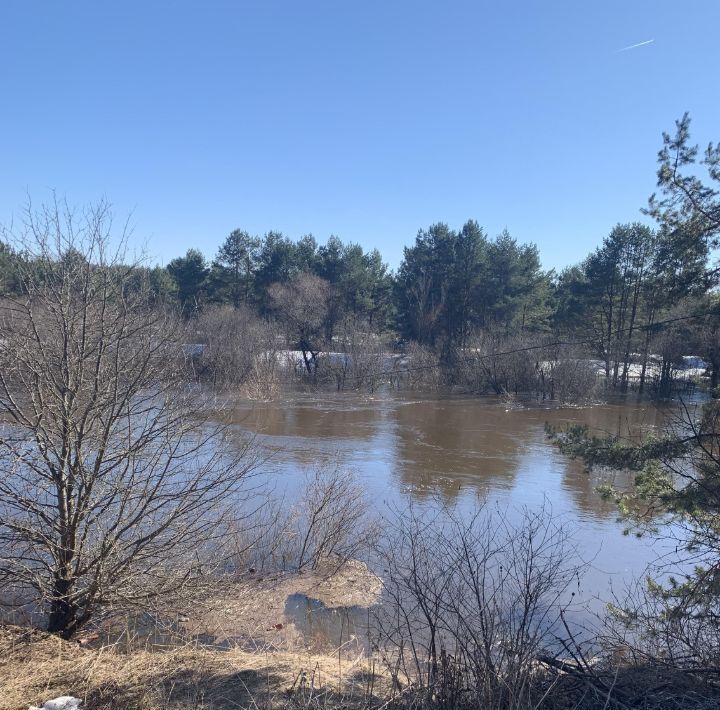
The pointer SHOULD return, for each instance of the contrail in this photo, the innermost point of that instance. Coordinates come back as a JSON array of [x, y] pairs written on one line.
[[639, 44]]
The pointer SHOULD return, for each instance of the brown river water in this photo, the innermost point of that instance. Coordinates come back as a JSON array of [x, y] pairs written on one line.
[[459, 450]]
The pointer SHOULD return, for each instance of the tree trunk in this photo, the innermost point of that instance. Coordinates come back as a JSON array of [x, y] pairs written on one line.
[[63, 618]]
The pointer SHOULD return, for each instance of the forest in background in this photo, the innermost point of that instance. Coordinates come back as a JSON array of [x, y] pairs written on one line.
[[464, 309]]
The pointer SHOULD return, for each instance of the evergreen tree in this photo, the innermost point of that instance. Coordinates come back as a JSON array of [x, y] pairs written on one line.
[[234, 267], [277, 262], [190, 274]]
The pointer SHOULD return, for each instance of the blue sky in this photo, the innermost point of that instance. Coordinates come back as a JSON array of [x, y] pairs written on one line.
[[367, 120]]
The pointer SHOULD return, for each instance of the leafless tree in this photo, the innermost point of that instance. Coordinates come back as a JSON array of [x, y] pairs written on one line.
[[418, 368], [361, 363], [241, 351], [115, 482], [501, 363], [569, 378], [472, 600], [334, 522], [302, 306], [329, 524]]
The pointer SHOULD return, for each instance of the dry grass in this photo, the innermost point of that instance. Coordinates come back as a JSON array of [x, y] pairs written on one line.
[[275, 666], [35, 666]]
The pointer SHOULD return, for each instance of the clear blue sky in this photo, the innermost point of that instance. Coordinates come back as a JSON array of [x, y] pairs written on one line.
[[363, 119]]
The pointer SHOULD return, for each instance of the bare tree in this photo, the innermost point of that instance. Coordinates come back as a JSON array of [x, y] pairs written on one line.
[[241, 351], [472, 603], [115, 483], [417, 369], [328, 525], [361, 363], [334, 521], [500, 362], [568, 377], [302, 305]]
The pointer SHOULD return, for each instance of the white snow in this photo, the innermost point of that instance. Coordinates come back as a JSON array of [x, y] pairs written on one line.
[[65, 702]]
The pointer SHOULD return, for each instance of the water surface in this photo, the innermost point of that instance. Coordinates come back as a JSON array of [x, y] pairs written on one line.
[[460, 451]]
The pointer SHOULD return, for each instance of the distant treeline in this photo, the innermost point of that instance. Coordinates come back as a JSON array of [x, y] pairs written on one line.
[[452, 288], [642, 300]]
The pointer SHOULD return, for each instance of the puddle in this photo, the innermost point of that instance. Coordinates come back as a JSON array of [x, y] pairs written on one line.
[[333, 627]]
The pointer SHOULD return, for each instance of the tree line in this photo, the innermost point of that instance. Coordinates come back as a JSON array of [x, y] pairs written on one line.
[[460, 291]]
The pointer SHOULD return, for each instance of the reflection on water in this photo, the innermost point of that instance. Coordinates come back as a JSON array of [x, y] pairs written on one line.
[[459, 450], [443, 446], [338, 627]]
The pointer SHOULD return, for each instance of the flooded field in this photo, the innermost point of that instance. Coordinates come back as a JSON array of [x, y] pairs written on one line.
[[460, 451]]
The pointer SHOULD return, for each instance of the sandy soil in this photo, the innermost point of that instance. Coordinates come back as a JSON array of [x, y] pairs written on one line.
[[252, 612]]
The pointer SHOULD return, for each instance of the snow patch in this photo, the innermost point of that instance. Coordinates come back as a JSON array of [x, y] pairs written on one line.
[[65, 702]]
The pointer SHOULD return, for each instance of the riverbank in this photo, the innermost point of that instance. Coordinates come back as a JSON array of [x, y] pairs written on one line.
[[245, 661], [35, 667], [257, 613], [240, 649]]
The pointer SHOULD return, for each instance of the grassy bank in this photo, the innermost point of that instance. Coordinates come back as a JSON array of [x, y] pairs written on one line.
[[35, 667]]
